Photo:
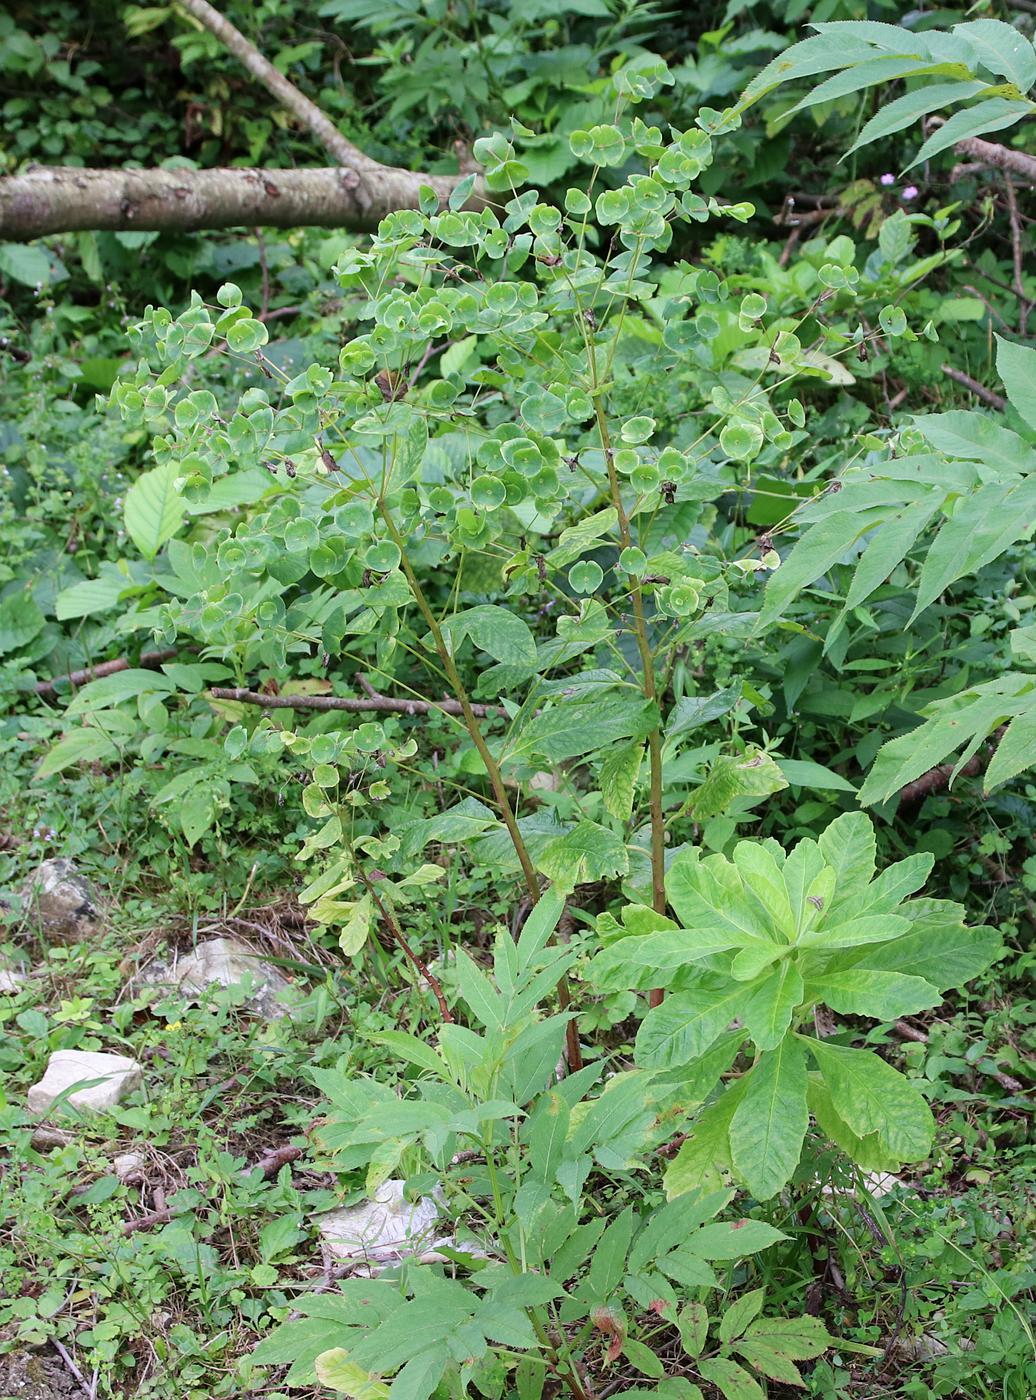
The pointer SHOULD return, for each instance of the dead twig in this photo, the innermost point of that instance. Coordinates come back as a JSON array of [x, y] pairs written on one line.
[[939, 777], [1017, 256], [979, 390], [383, 704], [150, 660]]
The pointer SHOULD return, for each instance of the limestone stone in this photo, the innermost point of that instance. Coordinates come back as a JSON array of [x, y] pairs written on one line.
[[10, 979], [128, 1164], [117, 1075], [224, 962], [59, 898], [383, 1230]]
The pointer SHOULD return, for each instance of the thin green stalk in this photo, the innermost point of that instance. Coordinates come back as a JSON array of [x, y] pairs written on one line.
[[647, 662], [503, 802]]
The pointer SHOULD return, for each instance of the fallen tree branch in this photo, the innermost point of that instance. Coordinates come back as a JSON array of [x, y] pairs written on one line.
[[939, 777], [356, 194], [276, 84], [148, 659], [385, 704], [979, 390], [63, 199], [992, 153]]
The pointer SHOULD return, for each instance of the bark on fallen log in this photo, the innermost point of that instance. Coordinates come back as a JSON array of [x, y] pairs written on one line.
[[148, 659], [386, 704], [64, 199]]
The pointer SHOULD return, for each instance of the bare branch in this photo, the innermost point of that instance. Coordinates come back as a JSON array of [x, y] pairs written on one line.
[[386, 704]]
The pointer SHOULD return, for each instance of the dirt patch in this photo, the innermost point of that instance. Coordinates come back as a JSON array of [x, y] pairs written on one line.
[[35, 1375]]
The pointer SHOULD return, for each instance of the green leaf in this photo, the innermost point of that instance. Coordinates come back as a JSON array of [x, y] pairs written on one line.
[[26, 263], [653, 959], [866, 1152], [154, 511], [768, 1011], [938, 947], [767, 1131], [686, 1023], [335, 1370], [991, 115], [617, 777], [691, 711], [848, 845], [572, 728], [740, 1314], [884, 995], [1002, 50], [80, 746], [91, 595], [709, 899], [731, 1380], [872, 1097], [980, 529], [578, 538], [705, 1155], [769, 1363], [1016, 365], [733, 1239], [871, 928], [498, 631], [588, 852], [109, 691], [1016, 751], [803, 772], [929, 97], [20, 621], [735, 778], [797, 1338]]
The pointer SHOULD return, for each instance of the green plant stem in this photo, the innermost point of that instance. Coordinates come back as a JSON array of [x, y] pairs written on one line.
[[647, 661], [503, 802]]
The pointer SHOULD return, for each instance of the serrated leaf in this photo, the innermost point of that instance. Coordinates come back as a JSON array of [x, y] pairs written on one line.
[[929, 97], [740, 1313], [769, 1362], [980, 529], [767, 1131], [993, 114], [797, 1338], [731, 1380], [572, 728], [938, 948], [872, 1097], [691, 711], [733, 1239], [154, 511], [1016, 751]]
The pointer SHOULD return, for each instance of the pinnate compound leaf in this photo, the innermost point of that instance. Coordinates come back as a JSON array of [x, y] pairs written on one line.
[[1016, 751], [993, 114], [740, 1313], [872, 1097], [768, 1128]]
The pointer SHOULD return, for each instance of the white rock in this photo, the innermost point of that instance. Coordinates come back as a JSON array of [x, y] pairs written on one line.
[[876, 1184], [59, 898], [10, 980], [117, 1073], [384, 1230], [224, 962], [127, 1164]]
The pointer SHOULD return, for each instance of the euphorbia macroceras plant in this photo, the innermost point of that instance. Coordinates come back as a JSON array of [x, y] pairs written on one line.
[[524, 457]]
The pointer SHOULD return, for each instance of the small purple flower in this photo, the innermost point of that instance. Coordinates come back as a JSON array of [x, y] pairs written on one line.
[[887, 180], [911, 192]]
